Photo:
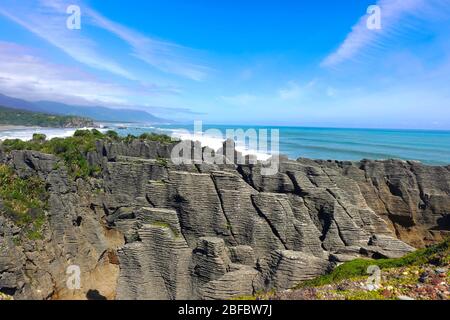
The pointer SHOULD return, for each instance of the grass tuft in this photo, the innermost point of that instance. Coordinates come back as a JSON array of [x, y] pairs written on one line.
[[436, 254]]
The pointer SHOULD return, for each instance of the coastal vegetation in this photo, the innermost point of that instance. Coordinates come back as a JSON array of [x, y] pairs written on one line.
[[439, 253], [422, 274], [16, 117], [23, 200], [73, 150], [151, 136], [129, 166]]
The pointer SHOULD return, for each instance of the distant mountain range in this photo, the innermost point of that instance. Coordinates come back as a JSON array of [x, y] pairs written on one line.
[[93, 112]]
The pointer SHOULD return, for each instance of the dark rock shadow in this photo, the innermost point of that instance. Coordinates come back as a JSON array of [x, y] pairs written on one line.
[[94, 295]]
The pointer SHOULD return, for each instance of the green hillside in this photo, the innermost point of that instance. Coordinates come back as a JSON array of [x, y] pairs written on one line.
[[18, 117]]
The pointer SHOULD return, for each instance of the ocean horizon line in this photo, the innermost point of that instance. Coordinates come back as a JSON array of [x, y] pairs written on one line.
[[286, 126]]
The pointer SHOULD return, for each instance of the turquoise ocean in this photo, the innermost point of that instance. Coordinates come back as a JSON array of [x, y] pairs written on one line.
[[427, 146]]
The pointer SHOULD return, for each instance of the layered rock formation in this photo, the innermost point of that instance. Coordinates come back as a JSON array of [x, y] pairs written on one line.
[[145, 228]]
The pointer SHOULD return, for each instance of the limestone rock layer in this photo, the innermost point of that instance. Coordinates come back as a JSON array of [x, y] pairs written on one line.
[[149, 229]]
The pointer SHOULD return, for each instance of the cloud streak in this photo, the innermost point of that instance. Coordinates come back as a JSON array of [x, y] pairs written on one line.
[[47, 20], [26, 75], [49, 24], [398, 17], [165, 56]]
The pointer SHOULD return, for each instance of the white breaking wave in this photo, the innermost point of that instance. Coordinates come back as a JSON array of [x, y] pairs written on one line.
[[27, 134], [216, 143], [206, 140]]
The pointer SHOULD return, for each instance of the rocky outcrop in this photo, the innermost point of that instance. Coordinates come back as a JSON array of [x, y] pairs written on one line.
[[149, 229]]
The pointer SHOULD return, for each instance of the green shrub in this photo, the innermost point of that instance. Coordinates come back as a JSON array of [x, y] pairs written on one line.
[[129, 138], [112, 135], [156, 137], [23, 200], [39, 137], [73, 150], [82, 133], [438, 253]]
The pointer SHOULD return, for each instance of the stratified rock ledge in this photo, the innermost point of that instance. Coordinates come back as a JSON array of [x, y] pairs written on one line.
[[148, 229]]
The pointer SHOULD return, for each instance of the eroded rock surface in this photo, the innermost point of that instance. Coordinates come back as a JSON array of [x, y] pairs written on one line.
[[148, 229]]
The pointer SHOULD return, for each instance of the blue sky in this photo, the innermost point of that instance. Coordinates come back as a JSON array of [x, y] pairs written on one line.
[[306, 63]]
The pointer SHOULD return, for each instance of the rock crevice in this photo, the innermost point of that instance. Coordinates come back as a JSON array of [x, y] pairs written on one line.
[[147, 229]]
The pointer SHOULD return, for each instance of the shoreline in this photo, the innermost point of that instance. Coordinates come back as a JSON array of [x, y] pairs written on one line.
[[8, 127], [25, 133]]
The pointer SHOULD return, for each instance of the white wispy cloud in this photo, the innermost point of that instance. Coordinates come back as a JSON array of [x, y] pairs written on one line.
[[50, 25], [47, 19], [165, 56], [398, 17], [26, 75]]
